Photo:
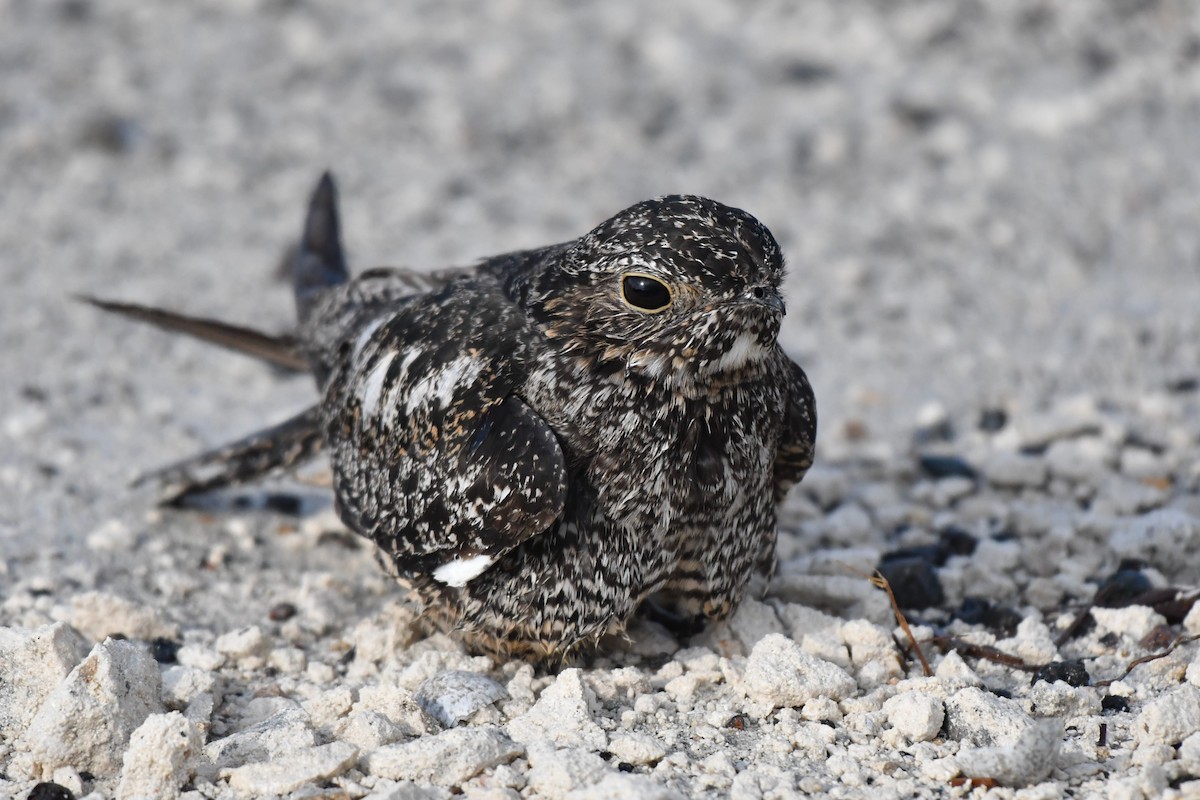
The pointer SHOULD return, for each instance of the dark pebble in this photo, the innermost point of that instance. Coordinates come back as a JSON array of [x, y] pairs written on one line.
[[957, 542], [164, 650], [914, 582], [802, 71], [1121, 588], [932, 553], [978, 611], [946, 467], [50, 791], [625, 766], [921, 116], [1176, 610], [942, 431], [992, 420], [972, 610], [1114, 702], [281, 612], [952, 541], [113, 133], [738, 722], [1071, 672], [283, 503], [34, 394], [1002, 619], [1159, 638], [76, 11], [1184, 385]]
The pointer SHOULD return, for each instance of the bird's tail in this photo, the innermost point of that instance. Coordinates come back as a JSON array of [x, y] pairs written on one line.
[[319, 264], [270, 450]]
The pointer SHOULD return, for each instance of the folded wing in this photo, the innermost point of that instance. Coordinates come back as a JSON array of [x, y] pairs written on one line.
[[435, 455]]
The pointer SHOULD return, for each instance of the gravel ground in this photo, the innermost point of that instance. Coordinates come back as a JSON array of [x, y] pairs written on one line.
[[990, 212]]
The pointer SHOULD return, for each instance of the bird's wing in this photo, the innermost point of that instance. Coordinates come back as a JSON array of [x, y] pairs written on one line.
[[280, 447], [435, 456], [795, 454]]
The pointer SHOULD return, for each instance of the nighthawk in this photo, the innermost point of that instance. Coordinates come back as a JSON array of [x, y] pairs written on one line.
[[540, 443]]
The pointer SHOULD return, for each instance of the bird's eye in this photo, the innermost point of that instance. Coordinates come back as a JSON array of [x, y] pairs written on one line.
[[644, 292]]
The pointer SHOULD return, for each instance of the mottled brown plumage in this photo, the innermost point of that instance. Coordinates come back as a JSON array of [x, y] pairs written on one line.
[[542, 442]]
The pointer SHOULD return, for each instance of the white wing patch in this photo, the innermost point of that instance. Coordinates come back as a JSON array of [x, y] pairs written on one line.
[[442, 384], [458, 572], [373, 385], [365, 336]]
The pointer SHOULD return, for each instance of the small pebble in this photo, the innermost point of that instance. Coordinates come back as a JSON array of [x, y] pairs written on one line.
[[914, 583], [453, 695], [281, 612], [940, 466], [50, 791], [1072, 672]]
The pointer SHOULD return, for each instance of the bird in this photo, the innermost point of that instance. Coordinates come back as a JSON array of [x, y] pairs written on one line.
[[546, 441]]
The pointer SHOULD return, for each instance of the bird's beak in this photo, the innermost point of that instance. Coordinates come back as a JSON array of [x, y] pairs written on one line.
[[767, 295]]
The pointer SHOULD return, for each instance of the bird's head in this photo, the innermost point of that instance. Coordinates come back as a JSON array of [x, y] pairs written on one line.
[[679, 289]]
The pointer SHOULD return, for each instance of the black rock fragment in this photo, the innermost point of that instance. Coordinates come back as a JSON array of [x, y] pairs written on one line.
[[938, 466], [1072, 672], [914, 582]]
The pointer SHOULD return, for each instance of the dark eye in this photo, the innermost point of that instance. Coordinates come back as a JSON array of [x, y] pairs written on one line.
[[644, 292]]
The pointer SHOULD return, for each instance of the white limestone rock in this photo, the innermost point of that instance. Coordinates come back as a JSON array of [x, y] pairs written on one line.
[[1028, 760], [555, 772], [368, 730], [1167, 538], [562, 714], [87, 720], [1170, 718], [447, 759], [622, 786], [780, 674], [287, 773], [99, 614], [162, 757], [983, 719], [637, 748], [181, 685], [1014, 471], [752, 621], [32, 664], [248, 644], [916, 715], [1132, 621], [275, 736], [398, 705]]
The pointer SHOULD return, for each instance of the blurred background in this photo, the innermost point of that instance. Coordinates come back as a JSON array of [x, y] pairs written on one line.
[[984, 204]]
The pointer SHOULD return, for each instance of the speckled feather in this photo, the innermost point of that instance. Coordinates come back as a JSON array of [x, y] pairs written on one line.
[[533, 453]]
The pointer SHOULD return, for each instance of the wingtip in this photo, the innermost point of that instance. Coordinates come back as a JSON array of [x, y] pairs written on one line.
[[324, 196], [90, 300], [320, 262]]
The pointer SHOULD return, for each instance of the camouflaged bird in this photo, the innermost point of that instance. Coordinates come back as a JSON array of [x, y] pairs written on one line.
[[542, 442]]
